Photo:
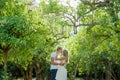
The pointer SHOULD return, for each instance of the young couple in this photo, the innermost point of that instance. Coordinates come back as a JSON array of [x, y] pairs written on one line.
[[59, 61]]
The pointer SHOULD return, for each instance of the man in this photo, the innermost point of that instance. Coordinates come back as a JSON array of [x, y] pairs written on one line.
[[55, 63]]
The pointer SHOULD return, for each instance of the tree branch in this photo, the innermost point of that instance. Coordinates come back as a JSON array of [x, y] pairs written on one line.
[[63, 37], [91, 25], [70, 19], [97, 4]]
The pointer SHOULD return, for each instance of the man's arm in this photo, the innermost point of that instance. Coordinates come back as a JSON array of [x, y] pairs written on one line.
[[52, 61], [55, 63]]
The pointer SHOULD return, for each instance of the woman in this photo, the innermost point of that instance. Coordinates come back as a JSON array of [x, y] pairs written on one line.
[[62, 72]]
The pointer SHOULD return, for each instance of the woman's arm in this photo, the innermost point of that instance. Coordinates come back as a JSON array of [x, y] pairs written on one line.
[[59, 58]]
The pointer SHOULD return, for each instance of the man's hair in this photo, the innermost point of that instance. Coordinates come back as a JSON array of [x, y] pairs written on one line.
[[59, 48]]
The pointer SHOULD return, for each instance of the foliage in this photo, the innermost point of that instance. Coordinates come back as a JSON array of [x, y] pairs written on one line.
[[94, 47], [28, 36]]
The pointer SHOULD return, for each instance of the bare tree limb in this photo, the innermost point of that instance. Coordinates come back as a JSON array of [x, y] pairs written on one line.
[[70, 19], [72, 15], [63, 37], [97, 4], [57, 40], [91, 25]]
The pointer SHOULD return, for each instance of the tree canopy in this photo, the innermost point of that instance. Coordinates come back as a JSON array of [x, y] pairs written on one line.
[[29, 33]]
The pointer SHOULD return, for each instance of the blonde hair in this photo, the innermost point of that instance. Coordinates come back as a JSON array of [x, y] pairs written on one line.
[[65, 53]]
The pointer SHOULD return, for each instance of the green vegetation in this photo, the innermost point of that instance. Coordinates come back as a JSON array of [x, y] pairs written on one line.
[[90, 31]]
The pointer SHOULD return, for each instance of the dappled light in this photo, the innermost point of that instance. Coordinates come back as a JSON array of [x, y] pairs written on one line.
[[87, 32]]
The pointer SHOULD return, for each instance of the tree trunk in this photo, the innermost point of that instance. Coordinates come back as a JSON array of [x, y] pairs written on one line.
[[5, 53], [107, 73], [89, 77], [40, 71], [5, 66], [28, 73], [100, 76], [39, 75], [75, 29], [108, 76]]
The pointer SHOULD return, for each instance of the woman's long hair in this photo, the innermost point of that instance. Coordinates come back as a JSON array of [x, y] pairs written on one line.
[[65, 53]]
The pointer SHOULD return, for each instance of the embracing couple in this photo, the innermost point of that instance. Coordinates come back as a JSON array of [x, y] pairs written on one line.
[[59, 61]]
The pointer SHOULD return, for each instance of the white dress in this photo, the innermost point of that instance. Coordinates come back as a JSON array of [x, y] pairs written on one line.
[[61, 73]]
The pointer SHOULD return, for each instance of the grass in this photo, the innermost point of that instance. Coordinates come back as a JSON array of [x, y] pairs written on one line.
[[23, 79], [46, 79], [79, 79]]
